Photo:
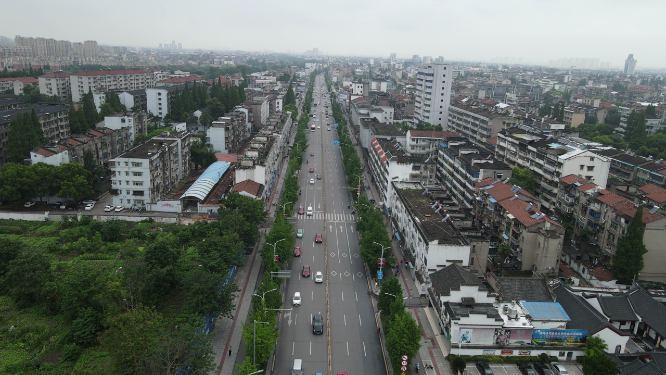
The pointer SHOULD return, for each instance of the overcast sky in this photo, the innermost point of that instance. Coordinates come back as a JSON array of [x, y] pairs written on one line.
[[481, 30]]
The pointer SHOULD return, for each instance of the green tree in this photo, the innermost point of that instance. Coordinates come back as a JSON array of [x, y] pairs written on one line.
[[595, 361], [523, 178], [106, 110], [582, 82], [206, 293], [289, 97], [403, 337], [28, 273], [294, 111], [458, 364], [545, 110], [77, 188], [266, 337], [113, 99], [635, 133], [9, 250], [215, 107], [252, 209], [389, 288], [504, 250], [17, 146], [628, 259], [202, 156], [90, 110], [205, 119]]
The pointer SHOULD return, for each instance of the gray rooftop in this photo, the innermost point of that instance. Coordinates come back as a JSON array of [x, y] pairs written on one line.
[[652, 311], [457, 310], [582, 314], [533, 289], [41, 109], [451, 278], [617, 308]]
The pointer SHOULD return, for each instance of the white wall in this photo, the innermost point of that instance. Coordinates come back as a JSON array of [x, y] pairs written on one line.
[[126, 99], [442, 255], [152, 102], [165, 206], [600, 163], [57, 159], [480, 296], [217, 137], [99, 99], [612, 339], [256, 174], [124, 181], [118, 122]]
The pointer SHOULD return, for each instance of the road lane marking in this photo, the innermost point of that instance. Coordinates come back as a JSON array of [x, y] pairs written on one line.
[[313, 295], [364, 354], [356, 294], [343, 293], [347, 349], [345, 318], [293, 345], [359, 320], [310, 347]]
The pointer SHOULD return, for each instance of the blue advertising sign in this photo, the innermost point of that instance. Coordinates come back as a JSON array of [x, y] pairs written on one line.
[[380, 275], [336, 143], [335, 125], [559, 337]]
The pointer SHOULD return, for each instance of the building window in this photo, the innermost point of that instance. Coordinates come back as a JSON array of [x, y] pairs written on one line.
[[582, 167], [592, 158], [137, 183], [590, 169]]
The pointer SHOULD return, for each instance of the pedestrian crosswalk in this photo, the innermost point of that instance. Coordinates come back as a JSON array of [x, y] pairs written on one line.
[[330, 217]]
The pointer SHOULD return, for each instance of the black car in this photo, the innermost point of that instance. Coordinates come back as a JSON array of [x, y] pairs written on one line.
[[318, 177], [542, 369], [484, 369], [526, 368], [317, 324]]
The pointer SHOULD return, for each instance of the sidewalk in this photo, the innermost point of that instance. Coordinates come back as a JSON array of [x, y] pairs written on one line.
[[228, 333], [434, 345]]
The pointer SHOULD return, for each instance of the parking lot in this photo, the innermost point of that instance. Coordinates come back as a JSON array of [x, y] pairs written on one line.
[[512, 369]]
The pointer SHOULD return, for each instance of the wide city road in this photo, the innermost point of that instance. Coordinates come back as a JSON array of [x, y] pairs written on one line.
[[349, 342]]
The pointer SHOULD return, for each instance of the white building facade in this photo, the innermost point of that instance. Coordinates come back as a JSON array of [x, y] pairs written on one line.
[[433, 94]]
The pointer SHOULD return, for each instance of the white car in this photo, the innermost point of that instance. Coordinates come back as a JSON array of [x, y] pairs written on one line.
[[119, 208], [109, 208], [29, 204], [89, 206], [312, 181], [89, 201], [318, 127], [296, 300], [319, 278]]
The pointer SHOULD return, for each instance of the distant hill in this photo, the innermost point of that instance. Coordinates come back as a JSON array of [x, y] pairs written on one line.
[[4, 41]]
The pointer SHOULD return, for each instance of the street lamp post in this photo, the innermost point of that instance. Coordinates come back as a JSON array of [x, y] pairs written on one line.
[[275, 245], [264, 293], [381, 259], [254, 343], [283, 206]]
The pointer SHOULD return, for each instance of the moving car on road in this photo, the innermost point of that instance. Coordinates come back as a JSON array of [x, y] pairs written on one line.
[[317, 324], [319, 277], [306, 271], [297, 251], [319, 238], [312, 181], [301, 211], [299, 233], [296, 300]]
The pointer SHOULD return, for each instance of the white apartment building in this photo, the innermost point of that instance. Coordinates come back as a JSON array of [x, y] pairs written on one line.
[[476, 124], [104, 80], [137, 123], [433, 94], [57, 83], [145, 173]]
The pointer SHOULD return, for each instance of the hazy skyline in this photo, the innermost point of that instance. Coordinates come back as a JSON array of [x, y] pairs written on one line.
[[532, 32]]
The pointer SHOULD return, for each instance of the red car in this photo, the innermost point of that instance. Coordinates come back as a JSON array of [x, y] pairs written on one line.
[[311, 170], [297, 251], [306, 271], [301, 211], [312, 154], [319, 238]]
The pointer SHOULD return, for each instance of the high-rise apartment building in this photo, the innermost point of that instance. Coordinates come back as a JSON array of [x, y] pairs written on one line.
[[630, 65], [77, 49], [433, 94], [104, 80], [90, 48]]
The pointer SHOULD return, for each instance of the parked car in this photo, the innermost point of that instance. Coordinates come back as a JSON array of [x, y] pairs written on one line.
[[109, 208], [542, 369], [558, 369], [484, 368], [299, 233], [56, 204], [319, 238], [119, 208], [297, 251], [29, 204], [319, 277], [526, 368], [89, 206], [296, 300], [317, 324], [306, 271]]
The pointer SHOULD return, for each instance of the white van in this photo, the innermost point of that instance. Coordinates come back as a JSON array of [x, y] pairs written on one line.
[[310, 211], [298, 367]]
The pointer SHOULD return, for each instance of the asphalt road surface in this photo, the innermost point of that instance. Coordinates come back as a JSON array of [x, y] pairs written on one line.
[[350, 341]]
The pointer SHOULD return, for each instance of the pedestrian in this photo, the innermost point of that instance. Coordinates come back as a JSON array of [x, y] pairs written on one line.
[[229, 352], [379, 330]]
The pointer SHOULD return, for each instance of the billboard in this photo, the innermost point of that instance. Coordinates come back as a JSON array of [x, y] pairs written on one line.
[[559, 337], [495, 336]]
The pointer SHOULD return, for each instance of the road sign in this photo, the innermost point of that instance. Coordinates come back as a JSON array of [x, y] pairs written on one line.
[[404, 363], [404, 358], [380, 275], [336, 143], [335, 125], [403, 368]]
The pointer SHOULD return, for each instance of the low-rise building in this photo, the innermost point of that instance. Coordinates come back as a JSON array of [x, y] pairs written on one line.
[[146, 173], [134, 99], [228, 133], [137, 122], [476, 124], [422, 142], [461, 164], [58, 84], [54, 120]]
